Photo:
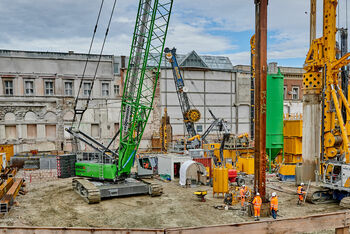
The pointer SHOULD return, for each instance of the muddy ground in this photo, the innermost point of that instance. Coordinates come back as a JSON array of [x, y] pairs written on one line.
[[54, 203]]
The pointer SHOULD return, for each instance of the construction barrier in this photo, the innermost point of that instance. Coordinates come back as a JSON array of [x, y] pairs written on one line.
[[339, 221], [40, 175]]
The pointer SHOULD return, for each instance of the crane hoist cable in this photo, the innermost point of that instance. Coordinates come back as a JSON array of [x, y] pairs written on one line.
[[87, 60], [98, 63]]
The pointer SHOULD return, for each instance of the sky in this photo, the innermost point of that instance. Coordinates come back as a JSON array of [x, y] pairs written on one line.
[[222, 27]]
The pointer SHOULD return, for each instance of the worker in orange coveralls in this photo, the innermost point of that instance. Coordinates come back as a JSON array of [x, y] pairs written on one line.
[[257, 206], [243, 193], [301, 193], [274, 205]]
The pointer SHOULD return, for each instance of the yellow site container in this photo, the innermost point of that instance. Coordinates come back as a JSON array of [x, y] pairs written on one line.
[[287, 170], [293, 128], [248, 165], [293, 145], [289, 158], [8, 149], [220, 180]]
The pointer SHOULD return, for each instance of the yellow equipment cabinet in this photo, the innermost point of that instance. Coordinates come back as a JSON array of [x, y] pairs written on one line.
[[220, 180], [246, 164], [8, 149]]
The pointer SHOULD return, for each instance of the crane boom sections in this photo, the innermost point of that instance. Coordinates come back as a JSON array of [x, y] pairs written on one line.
[[142, 76], [190, 115]]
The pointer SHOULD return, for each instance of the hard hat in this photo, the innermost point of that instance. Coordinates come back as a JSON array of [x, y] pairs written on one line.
[[302, 184], [274, 194], [243, 185], [258, 194]]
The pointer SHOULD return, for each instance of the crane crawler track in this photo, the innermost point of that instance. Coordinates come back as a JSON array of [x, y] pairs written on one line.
[[87, 190], [155, 189]]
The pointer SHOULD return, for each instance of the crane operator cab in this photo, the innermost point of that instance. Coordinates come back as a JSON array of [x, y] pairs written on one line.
[[337, 176]]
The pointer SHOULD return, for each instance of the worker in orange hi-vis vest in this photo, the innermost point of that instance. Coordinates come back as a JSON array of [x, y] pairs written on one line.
[[257, 206], [274, 205], [301, 194], [243, 193]]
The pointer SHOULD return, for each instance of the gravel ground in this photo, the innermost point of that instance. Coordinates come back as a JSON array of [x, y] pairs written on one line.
[[54, 203]]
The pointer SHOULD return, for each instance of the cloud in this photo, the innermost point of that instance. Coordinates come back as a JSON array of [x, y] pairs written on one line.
[[209, 27]]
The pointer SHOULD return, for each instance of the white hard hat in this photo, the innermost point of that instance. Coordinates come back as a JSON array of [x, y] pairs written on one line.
[[258, 194], [274, 194], [243, 185], [302, 184]]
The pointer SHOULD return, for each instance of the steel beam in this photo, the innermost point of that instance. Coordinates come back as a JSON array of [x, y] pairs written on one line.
[[312, 20], [260, 97]]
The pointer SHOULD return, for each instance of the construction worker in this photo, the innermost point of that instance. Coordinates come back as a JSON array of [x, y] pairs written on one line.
[[274, 205], [257, 206], [243, 193], [301, 193]]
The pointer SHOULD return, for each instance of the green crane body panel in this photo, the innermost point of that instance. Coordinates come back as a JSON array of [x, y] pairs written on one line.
[[274, 115], [87, 169]]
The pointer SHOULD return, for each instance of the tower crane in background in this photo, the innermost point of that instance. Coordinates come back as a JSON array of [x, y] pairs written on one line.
[[322, 77], [109, 173]]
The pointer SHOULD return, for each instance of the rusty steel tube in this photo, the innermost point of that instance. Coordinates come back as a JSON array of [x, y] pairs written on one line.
[[260, 97]]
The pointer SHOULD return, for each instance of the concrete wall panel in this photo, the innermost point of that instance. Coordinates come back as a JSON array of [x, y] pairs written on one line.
[[218, 86]]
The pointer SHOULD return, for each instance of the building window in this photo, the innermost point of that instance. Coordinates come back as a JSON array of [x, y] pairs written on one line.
[[50, 131], [295, 93], [10, 132], [116, 68], [86, 89], [116, 90], [49, 88], [29, 87], [199, 128], [285, 92], [31, 131], [68, 88], [95, 130], [8, 85], [105, 89]]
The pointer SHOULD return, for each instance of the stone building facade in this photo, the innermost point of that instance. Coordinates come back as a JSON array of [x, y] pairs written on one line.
[[37, 92], [38, 89], [293, 84]]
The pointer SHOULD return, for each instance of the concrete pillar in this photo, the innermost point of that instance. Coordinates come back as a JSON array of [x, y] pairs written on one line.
[[59, 86], [39, 86], [2, 132], [19, 90], [311, 136], [41, 132]]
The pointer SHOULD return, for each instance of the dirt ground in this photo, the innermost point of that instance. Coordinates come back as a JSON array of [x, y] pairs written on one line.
[[54, 203]]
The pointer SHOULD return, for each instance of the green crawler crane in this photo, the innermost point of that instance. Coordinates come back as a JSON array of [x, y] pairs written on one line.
[[108, 172]]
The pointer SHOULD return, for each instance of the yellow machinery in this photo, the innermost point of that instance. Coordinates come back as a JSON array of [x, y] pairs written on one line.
[[165, 132], [236, 154], [322, 77], [292, 131], [201, 194], [8, 150], [322, 68]]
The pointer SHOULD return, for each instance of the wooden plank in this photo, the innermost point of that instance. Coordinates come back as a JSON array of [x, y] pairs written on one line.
[[338, 221], [4, 187], [313, 223]]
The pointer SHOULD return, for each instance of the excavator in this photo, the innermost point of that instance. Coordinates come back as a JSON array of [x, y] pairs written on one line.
[[323, 68], [108, 173]]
